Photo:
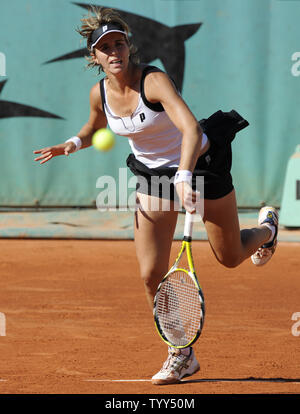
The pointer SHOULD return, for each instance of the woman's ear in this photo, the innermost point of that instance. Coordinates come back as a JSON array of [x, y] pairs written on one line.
[[93, 56]]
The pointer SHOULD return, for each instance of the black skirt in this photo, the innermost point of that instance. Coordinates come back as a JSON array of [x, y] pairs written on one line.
[[214, 165]]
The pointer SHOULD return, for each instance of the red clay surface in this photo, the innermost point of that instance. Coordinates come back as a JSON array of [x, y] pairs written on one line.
[[76, 318]]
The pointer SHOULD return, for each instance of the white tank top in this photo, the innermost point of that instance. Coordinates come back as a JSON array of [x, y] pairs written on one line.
[[154, 139]]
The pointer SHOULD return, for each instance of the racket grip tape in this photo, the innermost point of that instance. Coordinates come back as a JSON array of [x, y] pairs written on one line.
[[188, 225]]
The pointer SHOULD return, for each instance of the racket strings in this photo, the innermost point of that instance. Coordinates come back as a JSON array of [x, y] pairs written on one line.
[[178, 308]]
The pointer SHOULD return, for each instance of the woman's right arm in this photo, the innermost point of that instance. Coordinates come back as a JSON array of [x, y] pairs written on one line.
[[97, 120]]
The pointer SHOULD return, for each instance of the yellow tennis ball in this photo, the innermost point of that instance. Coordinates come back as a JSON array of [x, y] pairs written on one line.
[[103, 139]]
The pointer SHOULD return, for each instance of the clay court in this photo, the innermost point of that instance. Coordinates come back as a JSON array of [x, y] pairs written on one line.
[[77, 322]]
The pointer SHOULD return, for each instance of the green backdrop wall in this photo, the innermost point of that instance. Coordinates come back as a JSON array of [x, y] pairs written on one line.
[[241, 54]]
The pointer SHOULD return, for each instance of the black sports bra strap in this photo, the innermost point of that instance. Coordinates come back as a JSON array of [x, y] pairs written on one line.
[[157, 107], [102, 93]]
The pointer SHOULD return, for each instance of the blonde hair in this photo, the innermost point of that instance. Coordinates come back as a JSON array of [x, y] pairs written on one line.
[[101, 16]]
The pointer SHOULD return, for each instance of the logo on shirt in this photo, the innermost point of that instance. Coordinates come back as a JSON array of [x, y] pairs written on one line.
[[208, 159], [142, 117]]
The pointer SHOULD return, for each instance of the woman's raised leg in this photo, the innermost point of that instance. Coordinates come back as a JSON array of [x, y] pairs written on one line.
[[231, 245]]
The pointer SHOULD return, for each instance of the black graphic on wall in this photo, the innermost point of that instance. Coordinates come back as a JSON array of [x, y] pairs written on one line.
[[154, 40], [12, 109]]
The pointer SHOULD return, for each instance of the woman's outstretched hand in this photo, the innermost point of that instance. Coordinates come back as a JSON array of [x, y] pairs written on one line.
[[49, 152]]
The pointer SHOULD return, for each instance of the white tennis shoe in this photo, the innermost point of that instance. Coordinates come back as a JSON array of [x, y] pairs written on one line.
[[268, 216], [176, 367]]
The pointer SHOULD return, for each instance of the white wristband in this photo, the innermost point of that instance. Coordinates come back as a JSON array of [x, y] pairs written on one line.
[[183, 175], [77, 141]]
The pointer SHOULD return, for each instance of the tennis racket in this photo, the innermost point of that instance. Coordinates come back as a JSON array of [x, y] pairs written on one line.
[[179, 307]]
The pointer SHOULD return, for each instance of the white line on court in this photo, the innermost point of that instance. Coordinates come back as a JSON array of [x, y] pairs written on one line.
[[116, 380], [188, 380]]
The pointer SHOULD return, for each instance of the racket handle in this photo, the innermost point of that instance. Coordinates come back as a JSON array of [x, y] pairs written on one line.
[[188, 225]]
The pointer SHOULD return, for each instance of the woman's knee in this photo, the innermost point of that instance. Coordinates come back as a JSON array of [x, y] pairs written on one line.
[[230, 260], [151, 276]]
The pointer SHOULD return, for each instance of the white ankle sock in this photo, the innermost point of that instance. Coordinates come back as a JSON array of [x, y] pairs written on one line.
[[186, 351], [272, 228]]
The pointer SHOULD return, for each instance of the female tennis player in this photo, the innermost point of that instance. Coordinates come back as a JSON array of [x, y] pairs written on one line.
[[142, 103]]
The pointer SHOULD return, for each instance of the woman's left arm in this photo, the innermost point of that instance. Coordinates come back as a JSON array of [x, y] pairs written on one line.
[[159, 88]]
